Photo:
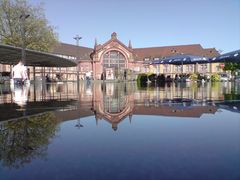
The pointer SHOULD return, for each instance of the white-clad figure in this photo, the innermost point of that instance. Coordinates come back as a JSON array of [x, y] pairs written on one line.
[[88, 75], [19, 74], [20, 95]]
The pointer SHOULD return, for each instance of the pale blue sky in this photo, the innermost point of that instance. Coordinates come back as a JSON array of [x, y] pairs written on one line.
[[147, 23]]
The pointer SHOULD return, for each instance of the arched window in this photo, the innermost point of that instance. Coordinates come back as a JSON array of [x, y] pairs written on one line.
[[114, 59]]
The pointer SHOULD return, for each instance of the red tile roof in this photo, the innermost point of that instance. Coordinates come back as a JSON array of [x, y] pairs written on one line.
[[164, 51], [139, 53]]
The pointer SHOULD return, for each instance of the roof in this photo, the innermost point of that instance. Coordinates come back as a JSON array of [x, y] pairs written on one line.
[[139, 54], [211, 52], [11, 55], [73, 50], [164, 51], [233, 56], [115, 39]]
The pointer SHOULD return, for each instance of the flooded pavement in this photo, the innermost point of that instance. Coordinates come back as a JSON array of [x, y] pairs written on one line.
[[120, 131]]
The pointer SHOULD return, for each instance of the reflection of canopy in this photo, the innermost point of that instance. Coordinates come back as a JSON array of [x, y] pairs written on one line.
[[160, 61], [233, 56], [233, 106], [11, 111]]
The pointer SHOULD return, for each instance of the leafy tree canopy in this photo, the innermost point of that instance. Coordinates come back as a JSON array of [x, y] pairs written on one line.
[[229, 66], [39, 35]]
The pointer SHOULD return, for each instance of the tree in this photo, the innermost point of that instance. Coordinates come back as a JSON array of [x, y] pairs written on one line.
[[233, 67], [39, 35]]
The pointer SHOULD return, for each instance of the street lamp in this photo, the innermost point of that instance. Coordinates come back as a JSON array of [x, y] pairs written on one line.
[[22, 18], [77, 38]]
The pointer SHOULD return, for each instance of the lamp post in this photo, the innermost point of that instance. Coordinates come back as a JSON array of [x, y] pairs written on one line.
[[77, 38], [22, 18]]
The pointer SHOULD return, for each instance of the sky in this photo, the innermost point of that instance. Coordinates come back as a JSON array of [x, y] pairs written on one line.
[[147, 23]]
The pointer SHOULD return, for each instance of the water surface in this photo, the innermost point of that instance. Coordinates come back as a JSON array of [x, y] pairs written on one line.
[[120, 131]]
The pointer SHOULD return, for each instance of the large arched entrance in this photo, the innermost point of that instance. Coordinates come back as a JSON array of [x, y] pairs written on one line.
[[114, 65]]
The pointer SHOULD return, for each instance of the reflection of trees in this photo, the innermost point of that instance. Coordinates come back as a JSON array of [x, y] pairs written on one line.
[[25, 139]]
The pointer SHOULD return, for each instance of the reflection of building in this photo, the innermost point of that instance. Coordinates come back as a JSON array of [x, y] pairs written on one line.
[[115, 60], [181, 111], [115, 102]]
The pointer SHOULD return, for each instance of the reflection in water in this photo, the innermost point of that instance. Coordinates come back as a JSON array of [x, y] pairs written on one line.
[[34, 99], [20, 94], [78, 125], [114, 102], [26, 139], [203, 143]]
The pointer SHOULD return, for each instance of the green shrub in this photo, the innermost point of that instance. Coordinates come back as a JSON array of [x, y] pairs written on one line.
[[215, 77], [193, 77], [161, 78], [152, 77], [142, 78]]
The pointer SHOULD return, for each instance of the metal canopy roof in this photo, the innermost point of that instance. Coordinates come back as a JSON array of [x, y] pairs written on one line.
[[233, 57], [11, 55]]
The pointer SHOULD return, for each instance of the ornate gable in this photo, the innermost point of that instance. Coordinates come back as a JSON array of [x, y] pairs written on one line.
[[112, 44]]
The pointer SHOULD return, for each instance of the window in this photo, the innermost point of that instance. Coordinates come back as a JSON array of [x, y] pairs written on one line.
[[203, 68], [189, 68], [114, 59], [178, 68], [166, 68]]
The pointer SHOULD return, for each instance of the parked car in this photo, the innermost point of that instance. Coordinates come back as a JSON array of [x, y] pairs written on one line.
[[224, 77], [237, 79]]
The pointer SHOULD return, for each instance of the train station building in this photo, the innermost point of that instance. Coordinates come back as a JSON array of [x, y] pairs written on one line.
[[116, 60]]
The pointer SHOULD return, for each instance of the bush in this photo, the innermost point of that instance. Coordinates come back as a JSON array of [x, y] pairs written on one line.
[[152, 77], [215, 77], [142, 78], [201, 77], [193, 77], [161, 78]]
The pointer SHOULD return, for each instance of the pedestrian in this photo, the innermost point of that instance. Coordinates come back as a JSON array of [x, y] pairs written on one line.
[[125, 74], [19, 73]]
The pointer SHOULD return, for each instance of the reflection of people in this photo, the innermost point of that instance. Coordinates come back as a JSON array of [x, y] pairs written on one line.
[[20, 95], [58, 77], [88, 75], [19, 73], [125, 74], [48, 78]]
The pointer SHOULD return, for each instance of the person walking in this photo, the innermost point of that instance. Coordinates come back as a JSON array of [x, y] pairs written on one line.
[[19, 73]]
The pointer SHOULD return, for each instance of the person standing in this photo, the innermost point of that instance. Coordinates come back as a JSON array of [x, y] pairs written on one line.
[[19, 73]]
